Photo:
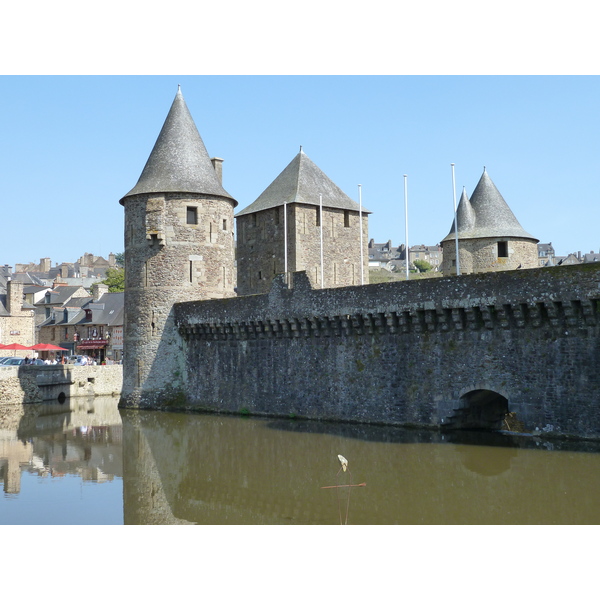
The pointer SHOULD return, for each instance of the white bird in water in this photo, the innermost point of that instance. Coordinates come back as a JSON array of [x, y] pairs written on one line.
[[343, 462]]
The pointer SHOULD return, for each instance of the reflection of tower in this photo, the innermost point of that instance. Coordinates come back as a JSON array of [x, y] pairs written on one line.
[[178, 247], [13, 453]]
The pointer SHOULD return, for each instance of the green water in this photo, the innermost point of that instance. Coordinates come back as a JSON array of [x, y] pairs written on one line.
[[89, 463]]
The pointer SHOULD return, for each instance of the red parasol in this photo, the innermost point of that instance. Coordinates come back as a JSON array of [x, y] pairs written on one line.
[[15, 347], [44, 347]]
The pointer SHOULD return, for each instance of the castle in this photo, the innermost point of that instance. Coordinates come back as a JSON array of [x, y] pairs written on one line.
[[179, 243], [296, 339]]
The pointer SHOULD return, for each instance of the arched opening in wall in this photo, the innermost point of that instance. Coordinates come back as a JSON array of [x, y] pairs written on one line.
[[62, 398], [480, 409]]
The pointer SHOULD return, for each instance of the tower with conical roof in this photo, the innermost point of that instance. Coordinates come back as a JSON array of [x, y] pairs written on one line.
[[282, 228], [178, 247], [489, 236]]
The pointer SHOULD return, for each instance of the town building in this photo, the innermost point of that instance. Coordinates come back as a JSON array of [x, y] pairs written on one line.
[[385, 255], [430, 254], [17, 323], [546, 255], [302, 222], [90, 325], [489, 236]]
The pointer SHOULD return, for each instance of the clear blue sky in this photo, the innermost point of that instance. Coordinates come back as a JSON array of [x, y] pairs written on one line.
[[72, 146]]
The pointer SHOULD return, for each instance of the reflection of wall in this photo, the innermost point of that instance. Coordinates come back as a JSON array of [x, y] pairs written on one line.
[[208, 469]]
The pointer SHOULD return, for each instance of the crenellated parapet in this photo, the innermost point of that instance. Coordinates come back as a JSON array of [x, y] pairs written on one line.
[[290, 313], [552, 314]]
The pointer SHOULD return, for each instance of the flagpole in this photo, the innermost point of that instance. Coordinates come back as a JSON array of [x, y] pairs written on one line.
[[285, 243], [321, 223], [360, 224], [406, 224], [455, 220]]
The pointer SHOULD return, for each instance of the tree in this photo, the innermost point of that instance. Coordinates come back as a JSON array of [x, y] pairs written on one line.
[[120, 259], [115, 280], [422, 265]]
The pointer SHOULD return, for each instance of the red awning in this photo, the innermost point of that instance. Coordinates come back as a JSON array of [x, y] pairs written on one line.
[[92, 344]]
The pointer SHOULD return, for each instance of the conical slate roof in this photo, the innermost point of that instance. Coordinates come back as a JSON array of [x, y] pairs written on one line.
[[486, 215], [179, 161], [302, 181]]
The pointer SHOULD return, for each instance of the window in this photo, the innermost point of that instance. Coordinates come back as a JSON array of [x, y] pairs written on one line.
[[192, 215], [224, 224], [318, 217], [502, 249], [346, 218]]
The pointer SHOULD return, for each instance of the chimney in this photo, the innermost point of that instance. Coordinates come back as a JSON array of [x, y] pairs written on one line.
[[217, 164], [99, 290], [14, 297]]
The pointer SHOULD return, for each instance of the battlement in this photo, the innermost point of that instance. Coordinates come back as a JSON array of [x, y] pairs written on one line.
[[508, 300]]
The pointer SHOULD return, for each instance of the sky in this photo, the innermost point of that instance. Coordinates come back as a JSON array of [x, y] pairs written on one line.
[[72, 146]]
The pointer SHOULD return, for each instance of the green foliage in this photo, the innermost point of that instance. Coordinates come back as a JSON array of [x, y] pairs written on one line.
[[422, 265], [120, 259], [115, 280]]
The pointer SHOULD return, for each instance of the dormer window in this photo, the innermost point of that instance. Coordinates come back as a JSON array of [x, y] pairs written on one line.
[[88, 314]]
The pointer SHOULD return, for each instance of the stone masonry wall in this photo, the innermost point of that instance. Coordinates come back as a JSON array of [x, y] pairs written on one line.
[[169, 260], [31, 384], [404, 352], [261, 247], [481, 255]]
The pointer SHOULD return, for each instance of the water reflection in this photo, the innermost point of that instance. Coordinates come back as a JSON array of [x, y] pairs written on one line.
[[212, 469], [226, 470], [81, 437]]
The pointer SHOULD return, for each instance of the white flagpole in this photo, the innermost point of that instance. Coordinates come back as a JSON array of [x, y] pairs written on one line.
[[455, 220], [285, 242], [406, 225], [360, 224], [321, 223]]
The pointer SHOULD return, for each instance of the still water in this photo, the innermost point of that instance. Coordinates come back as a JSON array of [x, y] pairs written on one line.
[[86, 462]]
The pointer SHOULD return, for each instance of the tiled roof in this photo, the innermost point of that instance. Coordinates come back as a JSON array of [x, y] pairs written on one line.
[[179, 161], [302, 182], [486, 215]]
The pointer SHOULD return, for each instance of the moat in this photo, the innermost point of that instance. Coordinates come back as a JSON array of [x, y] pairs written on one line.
[[86, 462]]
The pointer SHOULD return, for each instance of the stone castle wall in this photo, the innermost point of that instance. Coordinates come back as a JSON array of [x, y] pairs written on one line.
[[31, 384], [261, 247], [403, 352]]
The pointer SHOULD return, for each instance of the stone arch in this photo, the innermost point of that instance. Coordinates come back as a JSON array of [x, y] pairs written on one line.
[[480, 408]]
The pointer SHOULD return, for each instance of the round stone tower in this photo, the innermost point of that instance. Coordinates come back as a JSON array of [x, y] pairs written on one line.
[[489, 236], [179, 246]]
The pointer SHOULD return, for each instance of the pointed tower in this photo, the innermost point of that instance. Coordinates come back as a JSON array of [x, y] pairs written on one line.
[[265, 247], [489, 236], [178, 247]]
